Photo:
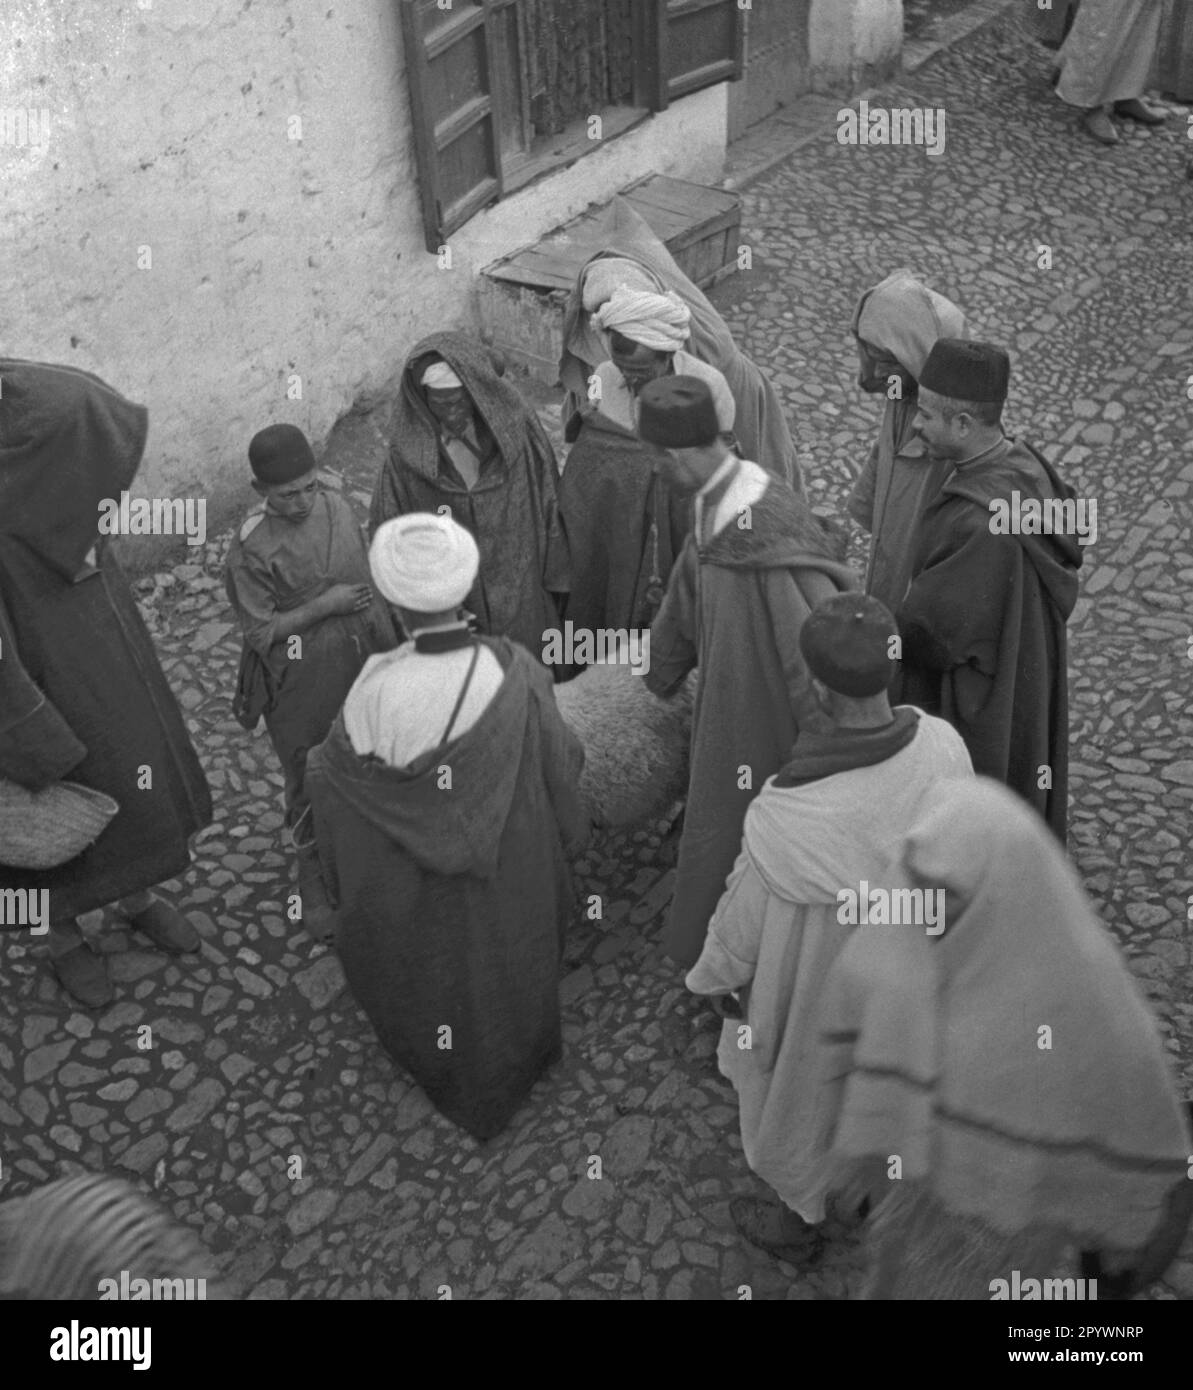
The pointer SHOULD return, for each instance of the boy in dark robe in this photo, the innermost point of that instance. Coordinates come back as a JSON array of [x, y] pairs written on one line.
[[446, 803], [983, 623], [298, 578], [81, 693], [754, 566], [465, 443]]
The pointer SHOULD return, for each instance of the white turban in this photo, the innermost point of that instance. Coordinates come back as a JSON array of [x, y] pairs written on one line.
[[603, 276], [440, 377], [658, 321], [424, 562]]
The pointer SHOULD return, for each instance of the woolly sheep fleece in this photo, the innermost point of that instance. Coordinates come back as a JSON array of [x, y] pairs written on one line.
[[636, 745]]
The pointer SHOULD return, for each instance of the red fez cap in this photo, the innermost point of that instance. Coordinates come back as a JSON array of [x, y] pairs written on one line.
[[677, 412], [846, 641], [967, 371]]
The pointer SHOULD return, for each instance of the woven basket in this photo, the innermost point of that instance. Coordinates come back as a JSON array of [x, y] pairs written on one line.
[[40, 830]]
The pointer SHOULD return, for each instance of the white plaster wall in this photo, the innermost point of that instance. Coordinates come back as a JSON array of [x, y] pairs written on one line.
[[270, 256], [846, 37]]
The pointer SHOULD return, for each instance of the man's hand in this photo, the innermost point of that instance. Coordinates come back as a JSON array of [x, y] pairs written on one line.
[[342, 599]]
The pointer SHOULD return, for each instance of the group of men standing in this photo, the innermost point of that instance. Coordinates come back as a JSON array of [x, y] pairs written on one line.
[[432, 785], [679, 510]]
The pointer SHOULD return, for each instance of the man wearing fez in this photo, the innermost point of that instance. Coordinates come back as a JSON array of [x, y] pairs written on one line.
[[755, 564], [625, 526], [983, 623], [446, 802], [825, 829]]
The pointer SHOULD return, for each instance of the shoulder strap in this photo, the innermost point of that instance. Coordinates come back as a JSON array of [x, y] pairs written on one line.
[[451, 723]]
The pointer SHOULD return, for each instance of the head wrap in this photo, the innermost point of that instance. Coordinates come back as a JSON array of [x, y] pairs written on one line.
[[68, 442], [846, 641], [440, 377], [902, 316], [965, 371], [607, 273], [658, 321], [279, 454], [414, 431], [423, 562], [677, 412]]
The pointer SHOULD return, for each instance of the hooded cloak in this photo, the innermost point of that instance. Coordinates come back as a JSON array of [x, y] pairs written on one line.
[[937, 1045], [511, 511], [835, 818], [902, 316], [760, 424], [454, 893], [983, 625], [734, 608], [81, 691]]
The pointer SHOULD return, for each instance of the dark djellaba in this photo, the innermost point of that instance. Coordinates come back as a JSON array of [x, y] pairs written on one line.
[[446, 804], [81, 693]]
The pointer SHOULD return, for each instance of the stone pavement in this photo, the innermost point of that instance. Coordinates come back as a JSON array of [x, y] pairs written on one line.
[[266, 1117]]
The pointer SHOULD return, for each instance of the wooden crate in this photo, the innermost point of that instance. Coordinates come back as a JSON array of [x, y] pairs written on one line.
[[521, 297], [700, 226]]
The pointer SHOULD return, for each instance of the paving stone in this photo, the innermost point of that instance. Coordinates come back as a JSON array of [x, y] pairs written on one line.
[[84, 1116], [1146, 915], [311, 1210], [151, 1102], [628, 1145], [127, 966], [142, 1155], [372, 1156], [544, 1251], [321, 982], [35, 1106], [75, 1074], [199, 1104], [252, 984], [36, 1029], [43, 1060], [66, 1138], [118, 1090], [236, 1067]]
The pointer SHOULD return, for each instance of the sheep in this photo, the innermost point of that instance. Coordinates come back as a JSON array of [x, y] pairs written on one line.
[[636, 745]]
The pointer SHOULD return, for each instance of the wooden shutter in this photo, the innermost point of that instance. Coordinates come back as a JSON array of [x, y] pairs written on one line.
[[697, 43], [455, 109]]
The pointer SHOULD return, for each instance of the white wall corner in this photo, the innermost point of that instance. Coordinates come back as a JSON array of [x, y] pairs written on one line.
[[851, 41]]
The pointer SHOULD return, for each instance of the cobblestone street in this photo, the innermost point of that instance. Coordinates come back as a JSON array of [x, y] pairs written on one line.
[[263, 1067]]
